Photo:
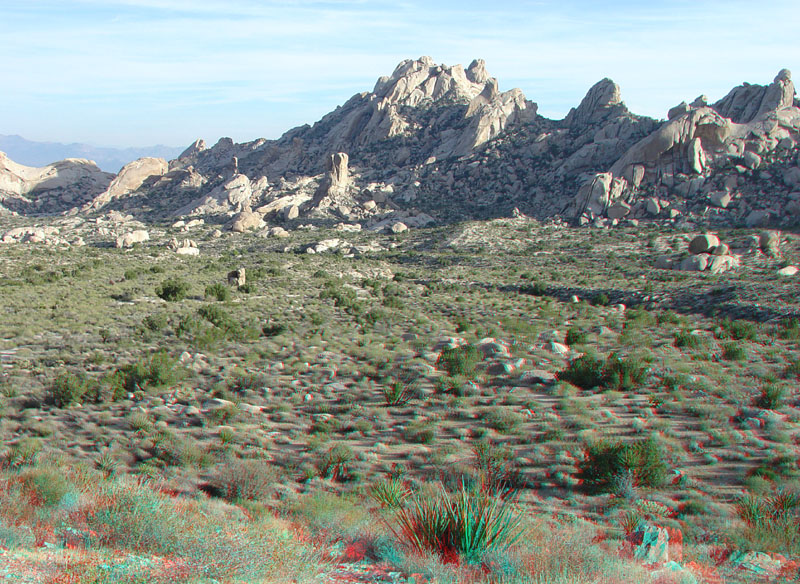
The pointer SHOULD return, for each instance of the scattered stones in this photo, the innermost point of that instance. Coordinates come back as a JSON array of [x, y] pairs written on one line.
[[237, 277], [770, 243], [788, 271], [245, 221]]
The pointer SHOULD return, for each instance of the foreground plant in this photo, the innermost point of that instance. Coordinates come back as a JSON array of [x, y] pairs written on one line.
[[464, 525]]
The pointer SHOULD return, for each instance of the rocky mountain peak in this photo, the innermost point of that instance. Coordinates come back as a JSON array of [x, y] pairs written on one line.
[[416, 81], [602, 100], [747, 102]]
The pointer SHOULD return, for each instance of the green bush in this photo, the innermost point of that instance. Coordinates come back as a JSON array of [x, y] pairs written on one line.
[[390, 492], [460, 361], [69, 388], [601, 299], [237, 480], [155, 322], [605, 461], [685, 339], [575, 336], [738, 330], [771, 397], [585, 372], [158, 370], [773, 522], [733, 352], [173, 290], [624, 374], [503, 420], [221, 292]]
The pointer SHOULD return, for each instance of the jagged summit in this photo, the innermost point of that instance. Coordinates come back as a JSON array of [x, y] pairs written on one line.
[[447, 141]]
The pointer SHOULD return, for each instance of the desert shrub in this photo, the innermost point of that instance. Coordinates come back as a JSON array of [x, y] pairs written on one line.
[[575, 336], [273, 330], [399, 388], [624, 374], [465, 525], [503, 420], [605, 461], [733, 352], [462, 361], [247, 288], [585, 372], [667, 317], [155, 322], [686, 339], [335, 463], [420, 432], [738, 330], [237, 480], [771, 397], [23, 453], [601, 299], [773, 522], [497, 468], [172, 290], [790, 329], [69, 388], [344, 298], [46, 483], [157, 370], [775, 468], [218, 291], [390, 492], [243, 381]]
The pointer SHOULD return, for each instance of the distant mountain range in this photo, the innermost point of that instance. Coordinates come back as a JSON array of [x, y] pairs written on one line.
[[32, 153]]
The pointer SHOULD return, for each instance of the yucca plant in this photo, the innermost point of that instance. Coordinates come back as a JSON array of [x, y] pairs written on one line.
[[463, 525], [390, 492]]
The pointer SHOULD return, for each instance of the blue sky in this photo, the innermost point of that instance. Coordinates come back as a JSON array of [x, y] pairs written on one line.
[[141, 72]]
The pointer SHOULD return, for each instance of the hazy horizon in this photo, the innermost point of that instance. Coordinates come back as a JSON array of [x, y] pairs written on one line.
[[133, 73]]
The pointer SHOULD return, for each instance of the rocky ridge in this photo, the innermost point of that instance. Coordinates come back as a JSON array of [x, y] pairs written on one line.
[[444, 143]]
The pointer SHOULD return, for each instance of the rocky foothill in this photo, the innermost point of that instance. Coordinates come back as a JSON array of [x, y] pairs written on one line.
[[435, 143]]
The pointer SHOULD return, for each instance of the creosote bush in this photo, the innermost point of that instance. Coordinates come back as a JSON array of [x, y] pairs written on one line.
[[69, 388], [173, 290]]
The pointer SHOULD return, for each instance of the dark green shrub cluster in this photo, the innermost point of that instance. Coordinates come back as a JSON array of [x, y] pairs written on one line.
[[344, 298], [575, 336], [172, 290], [462, 361], [335, 463], [615, 372], [733, 351], [738, 330], [601, 299], [605, 461], [157, 370], [69, 388], [534, 289], [685, 339], [155, 322], [218, 291]]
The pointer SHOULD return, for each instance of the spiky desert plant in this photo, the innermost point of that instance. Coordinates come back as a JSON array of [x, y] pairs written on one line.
[[390, 492], [462, 525]]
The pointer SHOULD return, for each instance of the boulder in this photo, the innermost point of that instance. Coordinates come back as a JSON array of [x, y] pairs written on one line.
[[398, 227], [237, 277], [770, 243], [618, 210], [129, 239], [788, 271], [751, 160], [703, 243], [720, 199], [245, 221], [757, 218], [695, 263], [722, 263]]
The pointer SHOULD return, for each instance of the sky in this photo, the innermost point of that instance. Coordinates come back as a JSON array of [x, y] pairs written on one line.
[[143, 72]]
